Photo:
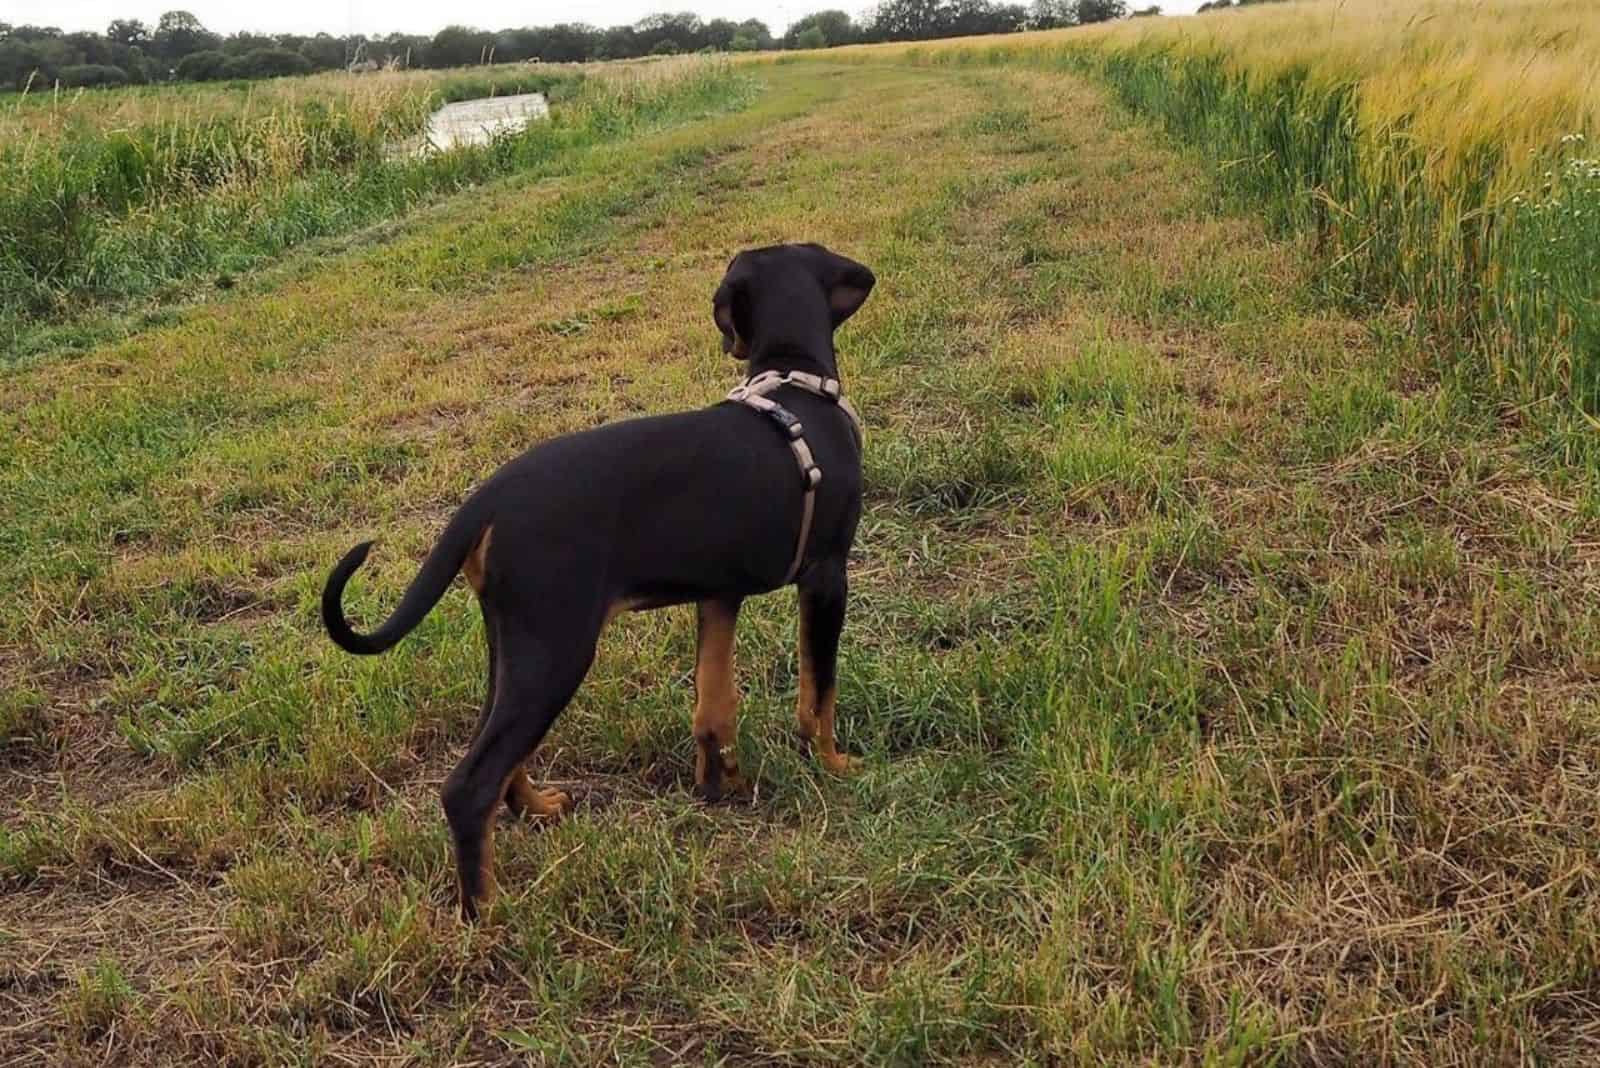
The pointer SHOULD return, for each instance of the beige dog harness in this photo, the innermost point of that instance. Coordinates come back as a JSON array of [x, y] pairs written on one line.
[[753, 394]]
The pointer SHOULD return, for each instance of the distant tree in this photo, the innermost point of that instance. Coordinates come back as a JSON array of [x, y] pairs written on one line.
[[93, 74], [133, 59], [752, 35], [324, 52], [33, 55], [1052, 14], [92, 49], [972, 17], [1088, 11], [458, 46], [16, 62], [718, 34], [836, 27], [618, 42], [240, 43], [913, 20], [401, 49], [684, 29], [905, 20], [128, 32], [665, 47], [1145, 12], [811, 37], [36, 34], [178, 33], [568, 42], [513, 46], [202, 66], [266, 63]]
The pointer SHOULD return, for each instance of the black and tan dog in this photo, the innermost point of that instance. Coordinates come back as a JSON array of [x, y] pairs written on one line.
[[704, 506]]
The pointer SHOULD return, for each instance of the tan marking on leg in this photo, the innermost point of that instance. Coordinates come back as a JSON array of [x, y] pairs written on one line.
[[476, 567], [827, 749], [528, 800], [491, 888], [805, 703], [550, 803], [486, 881], [535, 801], [716, 702], [619, 607]]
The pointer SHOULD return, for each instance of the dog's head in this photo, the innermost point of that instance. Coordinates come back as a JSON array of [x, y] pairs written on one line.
[[785, 301]]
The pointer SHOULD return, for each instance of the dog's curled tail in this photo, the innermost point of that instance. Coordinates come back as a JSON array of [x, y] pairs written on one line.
[[435, 576]]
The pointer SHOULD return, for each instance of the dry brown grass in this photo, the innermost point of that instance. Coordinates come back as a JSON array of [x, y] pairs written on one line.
[[1224, 678]]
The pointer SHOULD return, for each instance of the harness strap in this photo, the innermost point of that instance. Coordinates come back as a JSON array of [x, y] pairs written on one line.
[[753, 395], [827, 388]]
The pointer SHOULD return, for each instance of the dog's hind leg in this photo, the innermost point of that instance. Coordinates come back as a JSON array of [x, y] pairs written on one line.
[[521, 796], [822, 603], [537, 673], [716, 701]]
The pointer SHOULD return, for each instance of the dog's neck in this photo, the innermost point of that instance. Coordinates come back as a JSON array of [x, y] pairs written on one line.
[[783, 358]]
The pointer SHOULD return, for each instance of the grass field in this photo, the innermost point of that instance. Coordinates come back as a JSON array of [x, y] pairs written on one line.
[[1221, 661], [1441, 154], [119, 204]]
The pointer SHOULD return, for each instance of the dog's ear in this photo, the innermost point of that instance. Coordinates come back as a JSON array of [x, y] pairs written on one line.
[[730, 310], [847, 283]]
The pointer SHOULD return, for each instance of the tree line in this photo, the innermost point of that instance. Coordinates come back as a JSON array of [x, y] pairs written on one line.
[[180, 48]]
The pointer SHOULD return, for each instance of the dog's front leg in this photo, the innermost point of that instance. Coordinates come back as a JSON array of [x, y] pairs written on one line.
[[822, 601], [525, 799], [716, 702]]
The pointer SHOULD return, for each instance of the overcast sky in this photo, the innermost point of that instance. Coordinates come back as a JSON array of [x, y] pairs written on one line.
[[377, 17]]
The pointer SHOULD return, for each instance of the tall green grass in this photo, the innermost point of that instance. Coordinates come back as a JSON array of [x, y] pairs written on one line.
[[1439, 152], [66, 201], [95, 217], [1517, 277], [1551, 286]]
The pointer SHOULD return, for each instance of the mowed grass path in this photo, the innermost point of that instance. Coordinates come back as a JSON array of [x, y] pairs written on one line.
[[1224, 680]]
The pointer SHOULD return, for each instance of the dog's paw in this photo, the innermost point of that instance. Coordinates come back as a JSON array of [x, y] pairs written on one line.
[[549, 803], [527, 801], [730, 786], [838, 763]]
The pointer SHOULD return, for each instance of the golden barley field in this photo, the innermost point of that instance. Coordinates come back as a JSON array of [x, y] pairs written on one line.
[[1441, 153]]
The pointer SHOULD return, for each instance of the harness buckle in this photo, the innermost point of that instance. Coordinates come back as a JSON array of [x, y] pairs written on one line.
[[831, 389], [787, 420], [811, 477]]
